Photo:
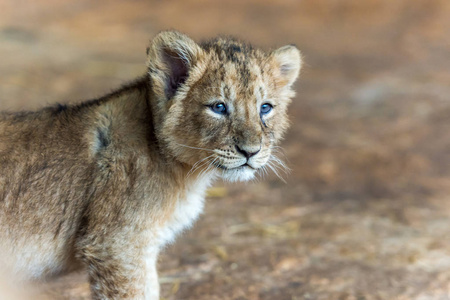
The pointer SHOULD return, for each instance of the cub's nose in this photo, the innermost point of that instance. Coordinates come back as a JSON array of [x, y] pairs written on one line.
[[246, 152]]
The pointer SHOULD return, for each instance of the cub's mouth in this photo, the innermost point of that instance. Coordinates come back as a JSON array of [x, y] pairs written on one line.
[[242, 172], [245, 165]]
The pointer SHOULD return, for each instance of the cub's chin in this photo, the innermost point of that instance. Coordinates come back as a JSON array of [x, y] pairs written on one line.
[[243, 173]]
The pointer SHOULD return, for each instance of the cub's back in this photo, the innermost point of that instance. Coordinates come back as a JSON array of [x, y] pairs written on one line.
[[52, 164], [38, 151]]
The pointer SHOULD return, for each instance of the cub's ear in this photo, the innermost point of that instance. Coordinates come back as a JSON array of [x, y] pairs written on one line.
[[170, 57], [288, 61]]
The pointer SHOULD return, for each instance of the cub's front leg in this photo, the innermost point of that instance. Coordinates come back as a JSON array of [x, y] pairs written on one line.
[[121, 266]]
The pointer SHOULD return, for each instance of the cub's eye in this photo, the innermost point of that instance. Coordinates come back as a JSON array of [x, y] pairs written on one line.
[[266, 108], [219, 108]]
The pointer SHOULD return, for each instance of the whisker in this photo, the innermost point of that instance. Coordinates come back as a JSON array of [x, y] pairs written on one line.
[[274, 169], [206, 166], [264, 171], [278, 149], [194, 147], [203, 159], [276, 164], [193, 170], [197, 165], [281, 164], [204, 171]]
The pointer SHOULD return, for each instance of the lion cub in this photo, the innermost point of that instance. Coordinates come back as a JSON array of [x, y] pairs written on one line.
[[108, 182]]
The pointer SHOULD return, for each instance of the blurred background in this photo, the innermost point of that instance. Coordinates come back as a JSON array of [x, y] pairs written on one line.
[[364, 213]]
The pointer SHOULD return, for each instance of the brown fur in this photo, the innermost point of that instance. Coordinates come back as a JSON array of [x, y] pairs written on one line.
[[108, 182]]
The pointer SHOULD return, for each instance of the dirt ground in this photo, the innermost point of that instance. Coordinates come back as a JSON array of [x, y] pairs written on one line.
[[365, 211]]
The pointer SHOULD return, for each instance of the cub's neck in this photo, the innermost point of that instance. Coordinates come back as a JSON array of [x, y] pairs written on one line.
[[129, 119]]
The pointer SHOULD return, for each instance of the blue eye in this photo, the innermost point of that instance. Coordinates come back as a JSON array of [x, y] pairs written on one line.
[[219, 108], [266, 108]]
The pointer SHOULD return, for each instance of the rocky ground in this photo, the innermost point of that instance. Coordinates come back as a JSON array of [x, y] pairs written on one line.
[[365, 211]]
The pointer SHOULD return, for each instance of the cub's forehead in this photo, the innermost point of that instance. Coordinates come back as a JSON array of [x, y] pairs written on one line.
[[237, 66], [230, 49]]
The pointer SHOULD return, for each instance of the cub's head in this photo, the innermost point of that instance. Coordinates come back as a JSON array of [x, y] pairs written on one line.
[[221, 105]]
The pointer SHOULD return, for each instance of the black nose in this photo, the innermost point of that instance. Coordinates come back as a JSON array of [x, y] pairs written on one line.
[[246, 153]]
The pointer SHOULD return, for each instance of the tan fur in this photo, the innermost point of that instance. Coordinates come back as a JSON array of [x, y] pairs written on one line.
[[107, 183]]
